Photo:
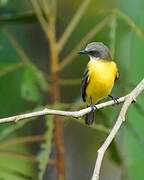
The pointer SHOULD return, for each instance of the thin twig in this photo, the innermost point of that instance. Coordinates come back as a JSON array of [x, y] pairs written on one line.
[[30, 157], [73, 23], [47, 111], [40, 16], [112, 35], [24, 58], [10, 68], [121, 118], [45, 5], [67, 60], [49, 9], [130, 22], [22, 140]]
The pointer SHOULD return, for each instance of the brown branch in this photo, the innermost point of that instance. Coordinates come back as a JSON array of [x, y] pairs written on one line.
[[46, 12], [55, 92], [58, 138], [121, 118]]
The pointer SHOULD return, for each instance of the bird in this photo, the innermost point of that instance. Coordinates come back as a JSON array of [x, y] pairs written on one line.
[[99, 76]]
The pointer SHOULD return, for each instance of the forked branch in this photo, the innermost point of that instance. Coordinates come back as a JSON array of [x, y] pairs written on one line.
[[126, 100], [121, 118]]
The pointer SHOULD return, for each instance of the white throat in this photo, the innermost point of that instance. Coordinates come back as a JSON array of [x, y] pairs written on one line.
[[92, 58]]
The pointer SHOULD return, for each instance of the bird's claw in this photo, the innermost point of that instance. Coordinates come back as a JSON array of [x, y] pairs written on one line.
[[115, 99], [93, 107]]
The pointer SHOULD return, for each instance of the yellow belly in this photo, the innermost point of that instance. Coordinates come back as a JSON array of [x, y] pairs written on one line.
[[101, 80]]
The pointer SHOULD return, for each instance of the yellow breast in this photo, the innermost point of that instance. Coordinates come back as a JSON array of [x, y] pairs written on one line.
[[101, 79]]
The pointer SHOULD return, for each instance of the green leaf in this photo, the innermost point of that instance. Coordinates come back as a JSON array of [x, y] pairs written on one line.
[[14, 17], [32, 84], [44, 155], [8, 54], [11, 165], [3, 2], [115, 154], [131, 54], [7, 68]]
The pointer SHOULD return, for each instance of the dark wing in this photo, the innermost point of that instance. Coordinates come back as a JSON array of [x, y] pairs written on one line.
[[84, 84], [117, 75]]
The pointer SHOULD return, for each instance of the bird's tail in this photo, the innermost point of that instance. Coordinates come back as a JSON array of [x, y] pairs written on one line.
[[89, 118]]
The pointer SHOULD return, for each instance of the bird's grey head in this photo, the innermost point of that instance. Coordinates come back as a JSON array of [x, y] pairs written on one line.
[[96, 50]]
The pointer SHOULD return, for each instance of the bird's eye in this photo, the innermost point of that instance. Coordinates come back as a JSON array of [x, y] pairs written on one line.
[[91, 52], [94, 53]]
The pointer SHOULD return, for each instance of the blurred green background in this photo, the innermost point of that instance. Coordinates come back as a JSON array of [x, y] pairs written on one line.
[[39, 66]]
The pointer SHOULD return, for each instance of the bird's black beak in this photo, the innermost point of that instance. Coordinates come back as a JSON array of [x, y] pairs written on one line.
[[82, 52]]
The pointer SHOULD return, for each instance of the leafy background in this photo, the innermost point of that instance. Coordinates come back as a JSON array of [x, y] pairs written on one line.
[[28, 149]]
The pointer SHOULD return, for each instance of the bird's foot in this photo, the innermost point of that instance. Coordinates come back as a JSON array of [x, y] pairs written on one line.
[[115, 99], [90, 116], [93, 107]]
